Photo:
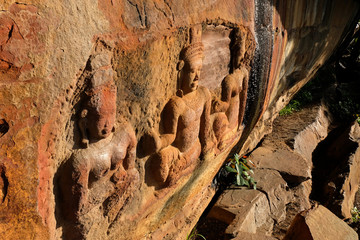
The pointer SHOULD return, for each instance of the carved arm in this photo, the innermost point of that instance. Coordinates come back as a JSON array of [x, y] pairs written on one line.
[[170, 119], [243, 94], [79, 189], [207, 139]]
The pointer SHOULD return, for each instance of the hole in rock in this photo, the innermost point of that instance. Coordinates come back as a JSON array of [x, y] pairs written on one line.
[[4, 183], [4, 127]]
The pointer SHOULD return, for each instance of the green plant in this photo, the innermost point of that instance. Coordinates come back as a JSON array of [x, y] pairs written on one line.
[[357, 118], [294, 105], [193, 235], [355, 214], [242, 168]]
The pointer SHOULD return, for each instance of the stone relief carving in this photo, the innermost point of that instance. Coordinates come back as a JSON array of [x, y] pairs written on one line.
[[186, 119], [102, 175], [228, 112], [99, 178]]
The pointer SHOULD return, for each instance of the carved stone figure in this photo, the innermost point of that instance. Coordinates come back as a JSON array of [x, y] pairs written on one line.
[[186, 118], [103, 173], [233, 96]]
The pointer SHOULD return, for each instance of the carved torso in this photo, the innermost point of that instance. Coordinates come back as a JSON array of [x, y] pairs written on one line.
[[104, 156], [234, 83], [190, 107], [99, 171]]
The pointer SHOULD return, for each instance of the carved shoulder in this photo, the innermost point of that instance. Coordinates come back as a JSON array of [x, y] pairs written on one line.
[[205, 93], [81, 160], [174, 106], [125, 136]]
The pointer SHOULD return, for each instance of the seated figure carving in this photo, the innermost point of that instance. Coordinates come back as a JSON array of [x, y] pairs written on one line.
[[103, 172], [185, 118], [233, 98]]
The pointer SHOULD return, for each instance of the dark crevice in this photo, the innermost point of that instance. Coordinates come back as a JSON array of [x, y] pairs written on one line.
[[4, 127], [167, 4], [10, 33], [138, 11], [331, 166], [17, 28], [146, 18], [164, 13], [5, 183]]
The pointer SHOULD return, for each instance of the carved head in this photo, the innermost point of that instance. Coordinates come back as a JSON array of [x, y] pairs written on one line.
[[100, 111], [191, 63]]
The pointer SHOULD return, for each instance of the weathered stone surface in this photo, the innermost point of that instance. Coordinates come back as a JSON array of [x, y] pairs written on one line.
[[216, 42], [276, 189], [292, 166], [352, 180], [336, 169], [289, 147], [302, 194], [49, 56], [306, 141], [245, 210], [343, 182], [277, 153], [254, 211], [252, 236], [319, 223]]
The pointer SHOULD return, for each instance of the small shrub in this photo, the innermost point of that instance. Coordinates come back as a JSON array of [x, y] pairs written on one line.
[[294, 105], [242, 169], [355, 215]]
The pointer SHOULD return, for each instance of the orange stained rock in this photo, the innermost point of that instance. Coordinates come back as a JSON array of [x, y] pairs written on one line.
[[100, 176], [186, 119], [228, 113]]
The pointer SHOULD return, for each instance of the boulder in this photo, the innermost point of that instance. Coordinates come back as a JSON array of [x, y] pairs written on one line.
[[306, 141], [293, 167], [302, 194], [352, 180], [276, 189], [319, 223], [245, 210], [336, 170]]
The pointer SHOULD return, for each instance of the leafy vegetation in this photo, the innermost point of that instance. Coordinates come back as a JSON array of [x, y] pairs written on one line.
[[194, 235], [311, 92], [355, 215], [357, 118], [294, 105], [241, 168]]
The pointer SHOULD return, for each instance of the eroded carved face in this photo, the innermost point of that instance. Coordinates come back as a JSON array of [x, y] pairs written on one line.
[[101, 124], [191, 75], [102, 114]]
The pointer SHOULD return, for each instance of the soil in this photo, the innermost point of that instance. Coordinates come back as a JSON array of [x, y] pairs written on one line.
[[287, 127]]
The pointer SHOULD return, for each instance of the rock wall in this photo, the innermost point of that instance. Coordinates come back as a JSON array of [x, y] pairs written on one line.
[[116, 115]]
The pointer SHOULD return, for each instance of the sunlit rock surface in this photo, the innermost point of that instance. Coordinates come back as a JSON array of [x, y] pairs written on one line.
[[50, 65]]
